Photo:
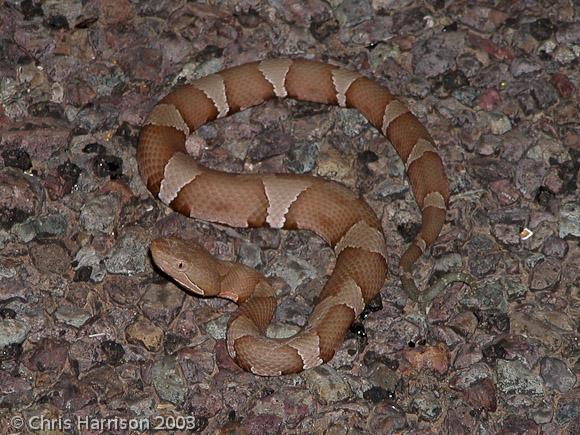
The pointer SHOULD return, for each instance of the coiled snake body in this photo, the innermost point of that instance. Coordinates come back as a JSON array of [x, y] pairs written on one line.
[[327, 208]]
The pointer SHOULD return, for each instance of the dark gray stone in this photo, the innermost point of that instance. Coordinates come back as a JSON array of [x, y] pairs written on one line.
[[514, 378], [556, 374], [169, 381]]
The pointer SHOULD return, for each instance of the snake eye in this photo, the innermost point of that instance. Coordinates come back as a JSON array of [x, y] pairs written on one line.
[[180, 265]]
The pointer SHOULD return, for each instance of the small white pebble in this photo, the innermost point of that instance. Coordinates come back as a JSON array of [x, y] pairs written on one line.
[[526, 233]]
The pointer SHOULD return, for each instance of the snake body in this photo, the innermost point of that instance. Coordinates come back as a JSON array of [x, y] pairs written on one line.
[[327, 208]]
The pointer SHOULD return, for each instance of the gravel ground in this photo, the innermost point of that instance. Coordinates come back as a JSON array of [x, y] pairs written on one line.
[[91, 333]]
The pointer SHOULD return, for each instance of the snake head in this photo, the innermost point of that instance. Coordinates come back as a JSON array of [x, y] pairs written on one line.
[[188, 264]]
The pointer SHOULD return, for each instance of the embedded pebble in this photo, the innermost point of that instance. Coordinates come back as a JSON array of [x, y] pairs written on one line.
[[437, 54], [383, 377], [293, 270], [17, 158], [499, 124], [435, 358], [465, 323], [127, 256], [168, 380], [556, 374], [515, 289], [301, 159], [216, 328], [377, 395], [523, 66], [161, 303], [19, 198], [50, 258], [50, 355], [487, 295], [529, 326], [541, 29], [545, 275], [72, 316], [569, 220], [568, 409], [327, 384], [12, 331], [428, 406], [145, 333], [515, 378], [99, 214], [352, 12]]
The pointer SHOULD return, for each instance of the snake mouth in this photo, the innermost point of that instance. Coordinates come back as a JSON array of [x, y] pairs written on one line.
[[189, 284]]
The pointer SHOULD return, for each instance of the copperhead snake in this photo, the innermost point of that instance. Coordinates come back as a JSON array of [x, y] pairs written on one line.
[[286, 201]]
